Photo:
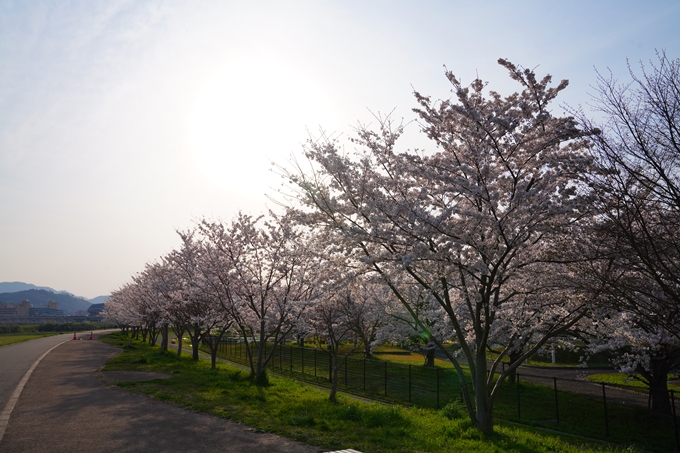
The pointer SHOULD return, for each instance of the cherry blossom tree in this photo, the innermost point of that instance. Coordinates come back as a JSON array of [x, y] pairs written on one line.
[[330, 321], [634, 245], [472, 222], [196, 307], [265, 276], [415, 332]]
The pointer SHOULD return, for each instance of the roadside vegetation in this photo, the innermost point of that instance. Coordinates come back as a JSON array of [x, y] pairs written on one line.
[[627, 381], [303, 412], [16, 333], [11, 338]]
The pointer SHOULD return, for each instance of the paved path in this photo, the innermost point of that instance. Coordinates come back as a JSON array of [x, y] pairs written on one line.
[[16, 359], [67, 407], [573, 380]]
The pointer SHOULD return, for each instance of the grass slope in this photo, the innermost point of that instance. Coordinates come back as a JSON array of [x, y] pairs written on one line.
[[303, 413], [12, 338]]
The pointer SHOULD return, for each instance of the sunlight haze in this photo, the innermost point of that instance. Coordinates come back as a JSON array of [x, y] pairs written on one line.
[[122, 121]]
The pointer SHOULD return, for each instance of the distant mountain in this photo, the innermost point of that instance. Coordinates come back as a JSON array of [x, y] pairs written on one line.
[[13, 287], [39, 298], [100, 300]]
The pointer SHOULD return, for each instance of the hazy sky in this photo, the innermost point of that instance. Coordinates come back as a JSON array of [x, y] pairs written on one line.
[[122, 121]]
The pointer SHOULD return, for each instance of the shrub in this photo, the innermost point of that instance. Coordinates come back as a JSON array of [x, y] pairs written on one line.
[[454, 410]]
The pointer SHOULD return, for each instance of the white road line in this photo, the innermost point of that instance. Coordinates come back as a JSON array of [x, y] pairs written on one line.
[[9, 407]]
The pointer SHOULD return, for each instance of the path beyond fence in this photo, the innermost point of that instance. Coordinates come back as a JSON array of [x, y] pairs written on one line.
[[599, 411]]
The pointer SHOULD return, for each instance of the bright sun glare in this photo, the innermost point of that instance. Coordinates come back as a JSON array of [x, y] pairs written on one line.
[[250, 113]]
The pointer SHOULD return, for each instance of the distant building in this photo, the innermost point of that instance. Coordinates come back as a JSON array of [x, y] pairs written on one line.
[[23, 309], [7, 309], [45, 311], [95, 309], [81, 313], [52, 304]]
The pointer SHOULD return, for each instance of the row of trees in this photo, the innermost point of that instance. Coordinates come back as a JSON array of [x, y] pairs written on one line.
[[518, 229]]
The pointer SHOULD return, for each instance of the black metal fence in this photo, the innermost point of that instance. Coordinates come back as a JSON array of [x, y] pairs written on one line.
[[594, 410]]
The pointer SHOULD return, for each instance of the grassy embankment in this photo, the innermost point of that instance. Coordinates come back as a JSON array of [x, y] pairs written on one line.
[[302, 412], [433, 388], [11, 338], [625, 381]]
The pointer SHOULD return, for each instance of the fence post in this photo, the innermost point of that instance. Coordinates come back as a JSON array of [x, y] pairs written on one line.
[[519, 413], [557, 410], [302, 351], [675, 422], [291, 358], [437, 375], [606, 415], [364, 374], [314, 361], [346, 359], [330, 366], [385, 378], [409, 383]]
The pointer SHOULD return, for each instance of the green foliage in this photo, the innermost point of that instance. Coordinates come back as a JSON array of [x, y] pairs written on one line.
[[9, 328], [72, 326], [454, 410]]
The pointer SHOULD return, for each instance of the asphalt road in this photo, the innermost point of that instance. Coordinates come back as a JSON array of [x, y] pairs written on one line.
[[17, 358], [66, 406]]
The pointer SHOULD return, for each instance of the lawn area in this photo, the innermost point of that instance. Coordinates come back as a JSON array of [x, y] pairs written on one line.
[[563, 358], [11, 338], [398, 376], [398, 355], [302, 412], [623, 380]]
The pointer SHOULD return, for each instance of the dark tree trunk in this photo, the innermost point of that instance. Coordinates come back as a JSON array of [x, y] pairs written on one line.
[[657, 378], [430, 349], [179, 332], [368, 351], [512, 374], [429, 358], [164, 338]]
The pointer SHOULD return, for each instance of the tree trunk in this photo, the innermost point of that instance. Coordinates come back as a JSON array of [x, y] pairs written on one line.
[[483, 406], [368, 351], [334, 380], [214, 343], [429, 358], [164, 338], [512, 374], [179, 333], [658, 384], [194, 348]]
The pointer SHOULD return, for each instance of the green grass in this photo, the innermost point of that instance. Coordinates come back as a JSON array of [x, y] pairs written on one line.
[[563, 358], [625, 381], [11, 338], [301, 412], [434, 387]]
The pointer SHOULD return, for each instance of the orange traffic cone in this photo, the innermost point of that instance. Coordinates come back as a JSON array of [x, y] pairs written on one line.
[[90, 335], [74, 336]]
